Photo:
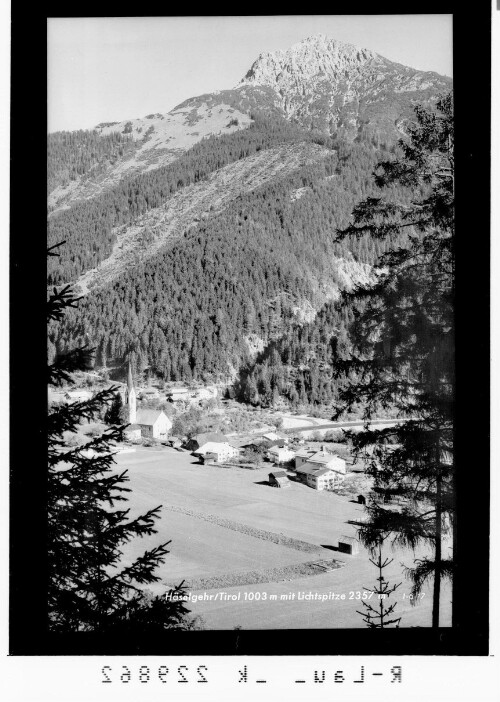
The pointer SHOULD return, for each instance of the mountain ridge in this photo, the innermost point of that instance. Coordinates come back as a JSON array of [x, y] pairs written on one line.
[[332, 86], [320, 83], [234, 237]]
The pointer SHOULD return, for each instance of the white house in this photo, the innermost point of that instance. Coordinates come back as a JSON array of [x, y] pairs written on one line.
[[280, 455], [149, 394], [77, 396], [199, 440], [303, 455], [218, 452], [273, 436], [200, 394], [323, 459], [154, 424], [321, 471], [176, 394]]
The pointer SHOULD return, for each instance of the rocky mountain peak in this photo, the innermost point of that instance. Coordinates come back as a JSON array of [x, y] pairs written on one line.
[[316, 56], [339, 88]]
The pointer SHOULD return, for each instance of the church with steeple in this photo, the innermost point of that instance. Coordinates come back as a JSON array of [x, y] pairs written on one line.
[[131, 397], [150, 423]]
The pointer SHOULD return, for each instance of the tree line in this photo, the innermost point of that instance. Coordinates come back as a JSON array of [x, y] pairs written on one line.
[[244, 271], [74, 154], [87, 227]]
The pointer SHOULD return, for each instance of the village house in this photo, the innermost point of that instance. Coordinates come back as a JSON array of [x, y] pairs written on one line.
[[149, 394], [303, 455], [178, 394], [321, 470], [279, 479], [274, 437], [200, 394], [154, 424], [195, 442], [278, 455], [324, 459], [216, 452], [191, 396], [77, 396]]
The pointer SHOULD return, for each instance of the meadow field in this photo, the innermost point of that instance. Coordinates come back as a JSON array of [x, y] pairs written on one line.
[[253, 547]]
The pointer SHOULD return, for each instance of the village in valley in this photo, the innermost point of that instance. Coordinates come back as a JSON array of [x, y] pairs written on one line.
[[262, 507], [250, 325], [312, 453]]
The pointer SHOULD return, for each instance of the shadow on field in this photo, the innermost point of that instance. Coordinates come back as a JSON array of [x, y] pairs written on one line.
[[263, 482], [330, 547]]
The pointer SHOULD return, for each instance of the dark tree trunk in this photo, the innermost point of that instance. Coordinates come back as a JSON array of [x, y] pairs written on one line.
[[437, 572]]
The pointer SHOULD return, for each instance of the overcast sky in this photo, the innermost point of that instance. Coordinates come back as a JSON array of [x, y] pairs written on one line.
[[111, 69]]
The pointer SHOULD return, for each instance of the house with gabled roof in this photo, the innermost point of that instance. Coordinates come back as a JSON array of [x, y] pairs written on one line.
[[72, 396], [195, 442], [216, 452], [302, 455], [279, 479], [274, 436], [321, 470], [280, 454], [154, 424]]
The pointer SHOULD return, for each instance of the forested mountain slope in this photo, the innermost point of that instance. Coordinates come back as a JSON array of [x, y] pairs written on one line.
[[247, 270], [155, 140], [88, 226], [213, 233], [319, 83], [73, 155], [144, 237]]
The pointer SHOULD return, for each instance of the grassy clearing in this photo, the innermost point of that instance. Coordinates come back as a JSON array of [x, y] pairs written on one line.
[[270, 575], [279, 539], [202, 551]]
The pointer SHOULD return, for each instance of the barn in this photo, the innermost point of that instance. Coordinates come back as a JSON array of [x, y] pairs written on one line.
[[349, 545], [279, 479]]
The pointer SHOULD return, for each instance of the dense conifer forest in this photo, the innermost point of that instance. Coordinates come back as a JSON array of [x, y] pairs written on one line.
[[187, 313], [87, 227], [73, 154]]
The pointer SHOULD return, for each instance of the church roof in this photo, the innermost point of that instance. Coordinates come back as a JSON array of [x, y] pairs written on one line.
[[148, 416]]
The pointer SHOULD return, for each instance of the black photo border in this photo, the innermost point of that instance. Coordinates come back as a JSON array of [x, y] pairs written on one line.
[[28, 390]]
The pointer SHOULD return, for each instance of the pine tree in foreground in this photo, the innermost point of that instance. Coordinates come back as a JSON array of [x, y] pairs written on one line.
[[378, 618], [115, 412], [402, 350], [90, 589]]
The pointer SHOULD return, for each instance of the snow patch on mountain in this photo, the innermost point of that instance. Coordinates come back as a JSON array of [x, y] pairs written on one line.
[[159, 140]]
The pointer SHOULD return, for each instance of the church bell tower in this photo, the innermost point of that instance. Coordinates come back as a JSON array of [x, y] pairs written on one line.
[[131, 397]]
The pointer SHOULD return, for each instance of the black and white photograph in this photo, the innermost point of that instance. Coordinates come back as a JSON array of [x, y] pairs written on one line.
[[253, 319]]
